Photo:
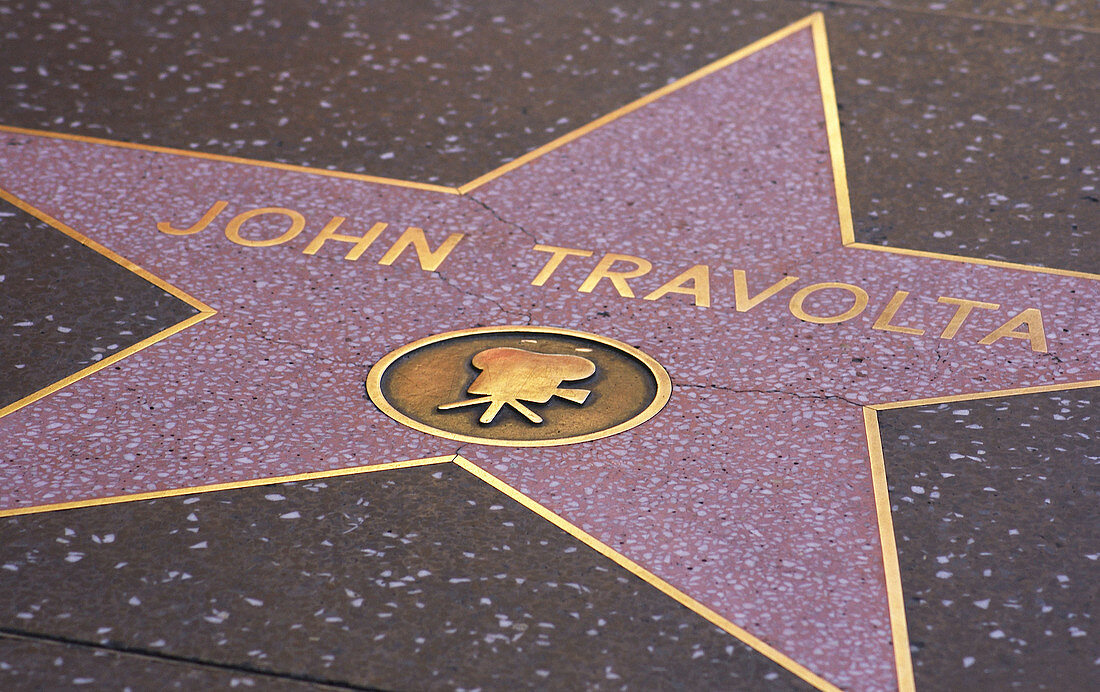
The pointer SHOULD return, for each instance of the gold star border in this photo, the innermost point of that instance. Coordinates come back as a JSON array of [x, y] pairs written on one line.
[[816, 23]]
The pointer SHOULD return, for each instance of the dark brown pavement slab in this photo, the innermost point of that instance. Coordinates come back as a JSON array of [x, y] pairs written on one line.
[[422, 577], [962, 135], [64, 307], [1069, 14], [998, 539], [30, 663], [983, 126]]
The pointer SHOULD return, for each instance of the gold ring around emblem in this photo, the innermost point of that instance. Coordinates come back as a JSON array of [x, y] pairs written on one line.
[[519, 386]]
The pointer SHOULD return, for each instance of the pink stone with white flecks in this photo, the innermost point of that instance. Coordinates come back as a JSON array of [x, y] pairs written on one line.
[[750, 492]]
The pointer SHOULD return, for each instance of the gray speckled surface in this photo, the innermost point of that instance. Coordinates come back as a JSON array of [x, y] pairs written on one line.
[[440, 91], [420, 578], [995, 509], [64, 307], [1074, 14], [274, 383], [894, 70], [968, 137], [443, 92], [29, 663]]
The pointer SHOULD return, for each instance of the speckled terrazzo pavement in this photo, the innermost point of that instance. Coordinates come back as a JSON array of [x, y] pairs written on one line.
[[583, 62], [95, 307], [273, 383], [998, 540], [978, 112], [1070, 14], [710, 402], [959, 141], [338, 581], [28, 663]]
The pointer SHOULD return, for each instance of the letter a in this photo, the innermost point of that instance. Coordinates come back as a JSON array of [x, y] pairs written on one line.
[[699, 276], [1035, 333]]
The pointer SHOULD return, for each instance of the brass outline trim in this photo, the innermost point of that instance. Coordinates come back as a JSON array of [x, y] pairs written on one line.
[[840, 175], [899, 632], [374, 386], [884, 514], [205, 310], [832, 127], [230, 159], [1016, 391], [653, 580], [695, 76], [502, 487], [214, 487], [974, 260], [815, 21]]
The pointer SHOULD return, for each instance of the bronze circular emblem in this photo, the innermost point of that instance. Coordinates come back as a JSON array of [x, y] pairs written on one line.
[[519, 386]]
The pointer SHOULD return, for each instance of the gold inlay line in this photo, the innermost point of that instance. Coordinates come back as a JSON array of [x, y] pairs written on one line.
[[817, 24], [502, 487], [898, 628], [362, 177], [204, 310], [231, 485], [97, 366], [832, 127], [975, 260], [651, 579], [647, 99], [815, 21], [1035, 389], [109, 254]]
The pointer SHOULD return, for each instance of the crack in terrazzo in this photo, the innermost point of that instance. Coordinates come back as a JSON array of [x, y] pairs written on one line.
[[1079, 302], [500, 218], [305, 350], [152, 654], [778, 392], [940, 365], [450, 283]]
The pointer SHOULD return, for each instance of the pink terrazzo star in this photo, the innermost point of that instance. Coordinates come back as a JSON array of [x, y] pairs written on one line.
[[750, 492]]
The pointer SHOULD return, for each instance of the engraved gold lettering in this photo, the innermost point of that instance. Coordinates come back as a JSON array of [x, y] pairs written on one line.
[[201, 224], [965, 307], [699, 276], [429, 260], [1035, 333], [329, 233], [617, 278], [888, 313], [857, 307], [743, 302], [233, 228], [558, 255]]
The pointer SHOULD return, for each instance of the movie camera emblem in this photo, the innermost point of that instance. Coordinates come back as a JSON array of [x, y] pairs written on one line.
[[519, 386]]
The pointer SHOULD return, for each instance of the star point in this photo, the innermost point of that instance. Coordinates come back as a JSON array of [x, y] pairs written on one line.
[[705, 224]]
